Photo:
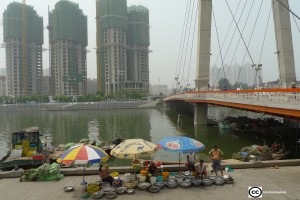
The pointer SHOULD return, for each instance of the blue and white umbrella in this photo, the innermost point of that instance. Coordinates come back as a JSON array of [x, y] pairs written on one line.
[[181, 144]]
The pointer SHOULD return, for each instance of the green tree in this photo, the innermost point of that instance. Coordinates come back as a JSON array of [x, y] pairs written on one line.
[[62, 98], [224, 81]]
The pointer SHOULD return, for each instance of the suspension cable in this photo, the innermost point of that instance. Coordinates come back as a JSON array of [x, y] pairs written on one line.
[[296, 23], [186, 50], [262, 48], [225, 75], [240, 32], [250, 38], [184, 43], [247, 18], [294, 14], [188, 74], [220, 51], [264, 36], [229, 28], [179, 51]]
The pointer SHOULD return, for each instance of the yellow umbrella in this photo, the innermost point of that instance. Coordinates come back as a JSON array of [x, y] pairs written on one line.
[[134, 148]]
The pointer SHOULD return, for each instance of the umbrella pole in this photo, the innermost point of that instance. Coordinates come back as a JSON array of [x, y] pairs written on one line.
[[83, 168], [133, 167], [179, 165]]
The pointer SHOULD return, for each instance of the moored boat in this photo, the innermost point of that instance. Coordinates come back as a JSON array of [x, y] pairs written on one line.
[[26, 150]]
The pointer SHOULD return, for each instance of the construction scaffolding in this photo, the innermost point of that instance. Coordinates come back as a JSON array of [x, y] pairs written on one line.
[[68, 41], [138, 26], [69, 21], [112, 14], [12, 23], [122, 47], [23, 37]]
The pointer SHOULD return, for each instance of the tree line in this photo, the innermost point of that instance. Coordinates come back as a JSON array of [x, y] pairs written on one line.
[[36, 98]]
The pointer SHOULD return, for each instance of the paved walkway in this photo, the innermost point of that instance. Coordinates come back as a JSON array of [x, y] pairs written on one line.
[[285, 179]]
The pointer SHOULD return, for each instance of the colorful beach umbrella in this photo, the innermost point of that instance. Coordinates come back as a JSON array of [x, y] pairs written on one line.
[[181, 144], [134, 148], [83, 154]]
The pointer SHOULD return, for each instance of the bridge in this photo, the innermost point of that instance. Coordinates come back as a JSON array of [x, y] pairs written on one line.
[[282, 101]]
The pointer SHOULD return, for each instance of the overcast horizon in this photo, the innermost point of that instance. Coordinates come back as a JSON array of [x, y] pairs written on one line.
[[166, 25]]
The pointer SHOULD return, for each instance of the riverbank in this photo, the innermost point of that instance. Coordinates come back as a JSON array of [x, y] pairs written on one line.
[[234, 164], [282, 179], [102, 105]]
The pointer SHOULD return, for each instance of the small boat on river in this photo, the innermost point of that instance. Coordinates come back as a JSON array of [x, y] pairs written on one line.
[[107, 148], [26, 150]]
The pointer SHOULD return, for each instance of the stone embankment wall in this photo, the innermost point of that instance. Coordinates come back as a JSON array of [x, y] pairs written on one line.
[[72, 106]]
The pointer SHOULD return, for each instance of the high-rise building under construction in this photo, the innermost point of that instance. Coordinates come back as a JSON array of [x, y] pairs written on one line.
[[23, 38], [122, 47], [68, 41]]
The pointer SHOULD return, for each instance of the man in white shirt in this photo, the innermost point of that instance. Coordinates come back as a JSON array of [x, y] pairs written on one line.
[[201, 169], [191, 160]]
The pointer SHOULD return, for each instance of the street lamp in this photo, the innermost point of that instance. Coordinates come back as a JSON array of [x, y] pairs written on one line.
[[257, 68]]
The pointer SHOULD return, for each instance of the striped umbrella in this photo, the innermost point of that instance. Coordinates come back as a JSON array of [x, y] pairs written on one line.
[[83, 154]]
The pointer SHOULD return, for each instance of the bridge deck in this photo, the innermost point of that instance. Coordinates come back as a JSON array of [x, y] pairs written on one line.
[[285, 102]]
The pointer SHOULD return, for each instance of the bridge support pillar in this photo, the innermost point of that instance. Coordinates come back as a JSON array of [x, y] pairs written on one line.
[[200, 113], [285, 53], [203, 49]]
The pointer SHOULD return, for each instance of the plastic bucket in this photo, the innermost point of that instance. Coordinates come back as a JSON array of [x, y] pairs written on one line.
[[152, 180], [127, 177], [159, 179], [143, 172], [142, 178], [114, 174], [165, 175]]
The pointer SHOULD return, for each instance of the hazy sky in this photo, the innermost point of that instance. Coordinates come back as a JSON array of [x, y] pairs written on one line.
[[167, 21]]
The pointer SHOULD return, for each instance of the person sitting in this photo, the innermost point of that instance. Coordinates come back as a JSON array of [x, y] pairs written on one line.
[[136, 166], [104, 174], [201, 169], [136, 161], [146, 164], [152, 168]]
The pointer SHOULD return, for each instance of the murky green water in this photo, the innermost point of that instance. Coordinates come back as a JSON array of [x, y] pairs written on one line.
[[149, 124]]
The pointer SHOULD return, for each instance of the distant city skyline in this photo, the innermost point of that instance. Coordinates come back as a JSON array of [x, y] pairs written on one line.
[[166, 22], [235, 74]]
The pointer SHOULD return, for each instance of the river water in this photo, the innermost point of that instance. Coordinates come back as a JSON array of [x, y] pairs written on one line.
[[149, 124]]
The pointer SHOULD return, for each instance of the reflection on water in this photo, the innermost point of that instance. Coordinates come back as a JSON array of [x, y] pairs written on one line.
[[228, 142], [149, 124]]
